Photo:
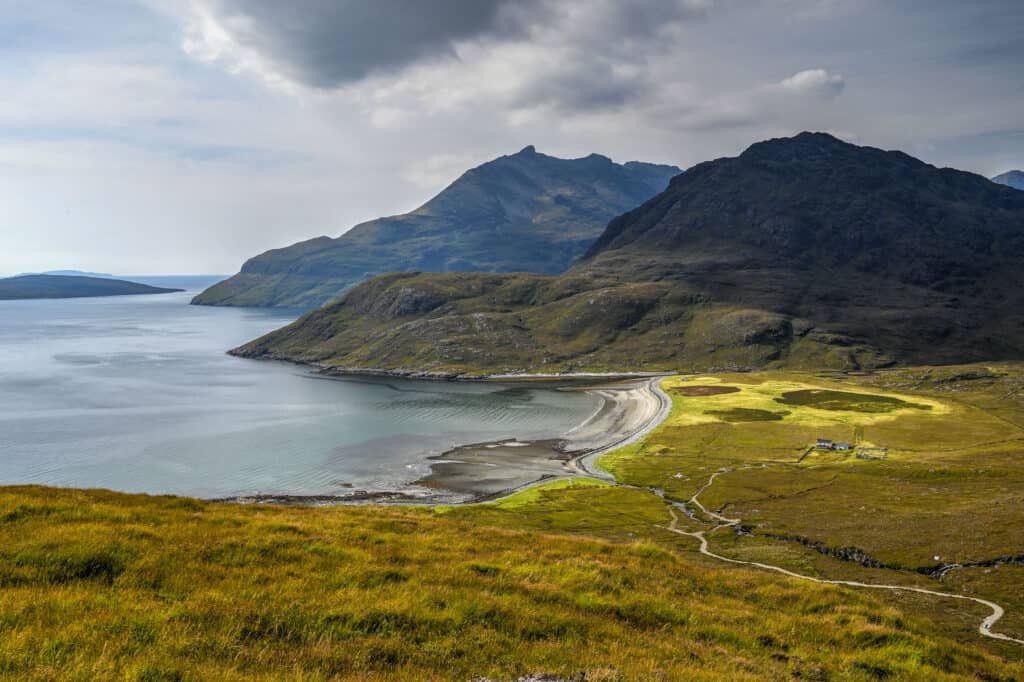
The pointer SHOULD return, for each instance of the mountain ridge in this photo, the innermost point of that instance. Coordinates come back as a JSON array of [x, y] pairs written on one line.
[[524, 211], [801, 252]]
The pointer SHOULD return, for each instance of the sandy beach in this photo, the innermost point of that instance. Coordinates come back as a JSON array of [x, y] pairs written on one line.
[[629, 409], [630, 406]]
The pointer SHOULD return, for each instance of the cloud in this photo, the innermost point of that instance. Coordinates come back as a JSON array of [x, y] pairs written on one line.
[[801, 101], [817, 82], [116, 144], [581, 85], [569, 55], [402, 59], [329, 43]]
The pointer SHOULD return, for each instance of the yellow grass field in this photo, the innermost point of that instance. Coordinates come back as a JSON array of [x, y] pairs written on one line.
[[576, 576]]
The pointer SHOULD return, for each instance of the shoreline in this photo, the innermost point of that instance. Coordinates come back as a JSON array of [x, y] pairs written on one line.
[[586, 463], [325, 370], [472, 473], [583, 463]]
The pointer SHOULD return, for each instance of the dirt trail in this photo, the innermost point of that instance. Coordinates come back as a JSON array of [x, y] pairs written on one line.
[[653, 408], [985, 628]]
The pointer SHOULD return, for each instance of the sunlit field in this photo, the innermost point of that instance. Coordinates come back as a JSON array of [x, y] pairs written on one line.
[[576, 576]]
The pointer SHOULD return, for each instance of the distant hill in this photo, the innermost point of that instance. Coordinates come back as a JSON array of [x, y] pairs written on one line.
[[525, 212], [800, 252], [1014, 179], [63, 286], [70, 273]]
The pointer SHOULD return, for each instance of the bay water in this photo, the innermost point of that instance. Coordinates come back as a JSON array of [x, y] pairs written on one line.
[[137, 394]]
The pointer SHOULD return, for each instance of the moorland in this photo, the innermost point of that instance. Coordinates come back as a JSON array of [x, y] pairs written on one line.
[[578, 575]]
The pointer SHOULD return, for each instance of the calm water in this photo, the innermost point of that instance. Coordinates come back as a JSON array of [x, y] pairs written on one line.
[[136, 394]]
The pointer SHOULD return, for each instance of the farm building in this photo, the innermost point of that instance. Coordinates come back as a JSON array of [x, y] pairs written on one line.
[[826, 444]]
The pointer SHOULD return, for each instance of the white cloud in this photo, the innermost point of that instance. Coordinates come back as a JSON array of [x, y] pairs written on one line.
[[815, 81]]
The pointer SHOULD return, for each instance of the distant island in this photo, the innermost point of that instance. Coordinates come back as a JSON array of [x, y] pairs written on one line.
[[70, 273], [71, 286]]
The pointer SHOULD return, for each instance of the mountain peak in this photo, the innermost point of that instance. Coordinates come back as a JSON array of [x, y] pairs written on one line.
[[805, 250], [804, 144], [520, 212], [815, 199], [1014, 178]]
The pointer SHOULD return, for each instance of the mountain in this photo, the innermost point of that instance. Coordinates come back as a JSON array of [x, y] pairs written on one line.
[[801, 252], [71, 273], [1014, 179], [525, 212], [64, 286]]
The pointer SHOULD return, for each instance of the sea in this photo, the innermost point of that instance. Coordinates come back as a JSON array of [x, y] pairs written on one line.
[[137, 394]]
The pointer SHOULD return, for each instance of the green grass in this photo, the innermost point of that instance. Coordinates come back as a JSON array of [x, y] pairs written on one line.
[[99, 585], [952, 485], [575, 575], [535, 494]]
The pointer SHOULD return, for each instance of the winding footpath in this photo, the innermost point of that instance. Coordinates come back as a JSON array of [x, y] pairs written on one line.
[[585, 465], [985, 628]]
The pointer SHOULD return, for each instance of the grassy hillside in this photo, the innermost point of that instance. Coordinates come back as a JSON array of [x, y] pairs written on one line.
[[527, 211], [803, 252], [472, 324], [576, 576], [98, 585]]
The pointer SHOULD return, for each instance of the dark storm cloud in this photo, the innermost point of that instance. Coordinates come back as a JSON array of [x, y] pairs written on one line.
[[326, 43], [330, 43]]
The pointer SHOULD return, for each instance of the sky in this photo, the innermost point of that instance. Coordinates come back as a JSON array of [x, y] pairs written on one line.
[[185, 136]]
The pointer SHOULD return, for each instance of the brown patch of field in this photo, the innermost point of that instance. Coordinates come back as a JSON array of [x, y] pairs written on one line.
[[742, 414], [695, 391], [844, 401]]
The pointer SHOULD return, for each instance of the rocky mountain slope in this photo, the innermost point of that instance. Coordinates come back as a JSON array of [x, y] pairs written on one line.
[[64, 286], [804, 251], [1014, 179], [525, 212]]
